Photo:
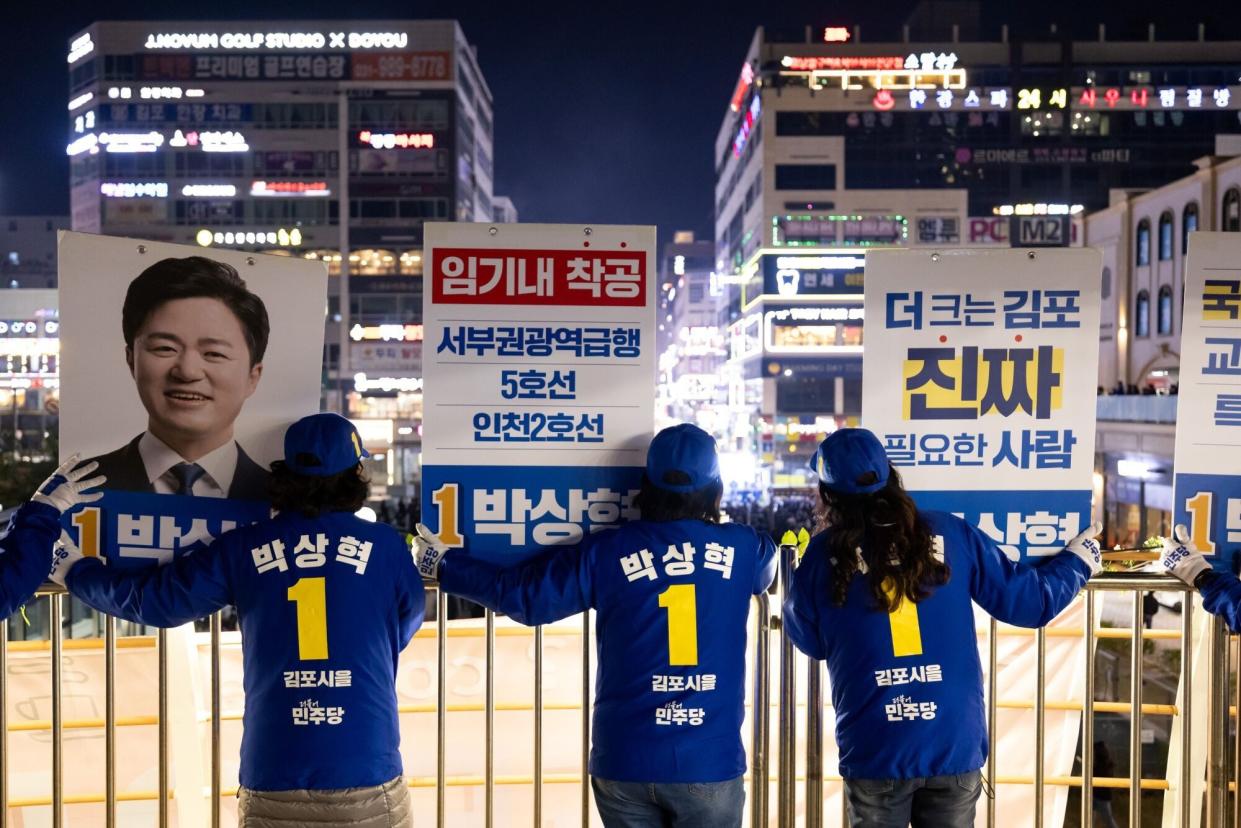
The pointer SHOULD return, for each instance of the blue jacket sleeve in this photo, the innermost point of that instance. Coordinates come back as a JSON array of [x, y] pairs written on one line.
[[1015, 593], [1221, 595], [188, 588], [801, 609], [26, 554], [545, 588], [765, 570], [412, 599]]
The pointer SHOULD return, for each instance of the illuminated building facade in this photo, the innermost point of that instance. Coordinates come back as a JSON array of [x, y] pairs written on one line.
[[260, 135], [691, 385], [831, 144]]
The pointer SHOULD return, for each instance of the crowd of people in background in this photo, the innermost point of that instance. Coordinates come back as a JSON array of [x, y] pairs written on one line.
[[1148, 390]]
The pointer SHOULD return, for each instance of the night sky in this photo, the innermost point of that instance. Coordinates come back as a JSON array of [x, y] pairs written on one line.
[[604, 113]]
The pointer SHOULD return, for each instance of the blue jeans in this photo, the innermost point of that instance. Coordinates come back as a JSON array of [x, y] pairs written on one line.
[[658, 805], [926, 802]]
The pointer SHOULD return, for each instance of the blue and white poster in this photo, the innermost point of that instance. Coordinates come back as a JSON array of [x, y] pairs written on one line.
[[539, 381], [979, 376], [180, 370], [1207, 481]]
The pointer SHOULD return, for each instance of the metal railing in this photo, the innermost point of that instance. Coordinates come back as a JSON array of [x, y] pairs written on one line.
[[1221, 776], [1217, 744], [110, 797]]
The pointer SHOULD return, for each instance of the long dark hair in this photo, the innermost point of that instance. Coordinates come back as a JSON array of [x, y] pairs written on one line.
[[658, 504], [895, 542], [312, 496]]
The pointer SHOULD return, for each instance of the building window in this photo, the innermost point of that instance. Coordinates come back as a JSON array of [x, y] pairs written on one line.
[[1106, 291], [1189, 223], [1142, 315], [1165, 236], [1231, 214], [1144, 243], [805, 176], [1164, 322]]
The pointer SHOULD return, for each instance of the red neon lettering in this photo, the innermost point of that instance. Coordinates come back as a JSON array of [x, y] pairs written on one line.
[[1112, 96], [883, 100], [1088, 98], [1138, 97]]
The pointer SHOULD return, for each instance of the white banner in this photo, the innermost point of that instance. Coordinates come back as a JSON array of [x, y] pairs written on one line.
[[539, 371], [1207, 482], [980, 378]]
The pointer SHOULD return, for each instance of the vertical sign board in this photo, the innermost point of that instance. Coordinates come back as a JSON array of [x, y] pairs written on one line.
[[1207, 481], [979, 378], [539, 381], [185, 390]]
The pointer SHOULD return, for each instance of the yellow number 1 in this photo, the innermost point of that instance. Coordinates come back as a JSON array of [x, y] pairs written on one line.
[[311, 599], [682, 606], [1199, 507], [906, 633]]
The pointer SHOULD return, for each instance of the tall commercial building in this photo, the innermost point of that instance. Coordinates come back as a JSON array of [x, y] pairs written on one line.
[[937, 135], [261, 135], [690, 342]]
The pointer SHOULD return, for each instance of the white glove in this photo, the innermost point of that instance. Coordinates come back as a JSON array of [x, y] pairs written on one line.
[[1180, 558], [429, 550], [64, 555], [1087, 548], [66, 488]]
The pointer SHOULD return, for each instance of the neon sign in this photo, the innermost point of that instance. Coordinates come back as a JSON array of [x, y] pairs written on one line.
[[883, 100], [281, 237], [386, 333], [134, 189], [183, 41], [81, 100], [289, 188], [399, 140], [829, 62], [80, 48], [210, 141], [747, 125], [209, 190], [836, 34], [743, 83], [131, 141]]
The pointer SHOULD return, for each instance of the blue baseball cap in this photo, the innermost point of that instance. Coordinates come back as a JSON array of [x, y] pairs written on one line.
[[846, 456], [686, 449], [322, 445]]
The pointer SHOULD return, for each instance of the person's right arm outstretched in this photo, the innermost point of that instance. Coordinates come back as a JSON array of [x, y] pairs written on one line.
[[1024, 595]]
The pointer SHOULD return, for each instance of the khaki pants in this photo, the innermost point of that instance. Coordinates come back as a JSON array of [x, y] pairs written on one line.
[[380, 806]]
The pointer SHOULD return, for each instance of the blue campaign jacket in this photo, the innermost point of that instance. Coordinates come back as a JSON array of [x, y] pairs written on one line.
[[919, 714], [672, 600], [321, 632], [1221, 595], [26, 554]]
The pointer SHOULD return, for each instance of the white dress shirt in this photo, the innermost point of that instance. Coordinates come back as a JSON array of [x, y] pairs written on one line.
[[219, 467]]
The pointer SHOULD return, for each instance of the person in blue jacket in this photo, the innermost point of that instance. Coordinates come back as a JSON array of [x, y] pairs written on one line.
[[1221, 591], [884, 594], [326, 602], [673, 592], [26, 548]]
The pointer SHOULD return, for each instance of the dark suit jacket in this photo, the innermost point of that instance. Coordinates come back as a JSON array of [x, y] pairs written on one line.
[[127, 473]]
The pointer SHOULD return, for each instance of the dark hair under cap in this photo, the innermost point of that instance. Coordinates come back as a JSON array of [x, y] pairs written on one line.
[[191, 278]]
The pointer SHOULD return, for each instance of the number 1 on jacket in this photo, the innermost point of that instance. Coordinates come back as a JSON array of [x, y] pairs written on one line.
[[311, 598], [682, 606], [906, 633]]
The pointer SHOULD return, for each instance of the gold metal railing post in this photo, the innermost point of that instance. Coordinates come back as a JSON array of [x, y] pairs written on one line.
[[56, 631], [441, 706], [1187, 709], [759, 743], [109, 719], [538, 726], [586, 700], [993, 649], [1135, 716], [216, 764], [814, 744], [4, 723], [1040, 722], [162, 647], [787, 774], [489, 714], [1088, 717]]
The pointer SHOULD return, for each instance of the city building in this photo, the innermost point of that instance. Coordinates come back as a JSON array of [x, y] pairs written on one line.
[[28, 248], [691, 385], [29, 371], [260, 135], [1143, 237], [936, 134]]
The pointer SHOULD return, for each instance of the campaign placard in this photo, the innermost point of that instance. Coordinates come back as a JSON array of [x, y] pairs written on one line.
[[1207, 480], [180, 370], [539, 381], [979, 376]]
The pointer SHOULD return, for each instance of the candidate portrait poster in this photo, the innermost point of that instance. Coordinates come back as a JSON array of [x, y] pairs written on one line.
[[181, 367], [1207, 481], [979, 377], [539, 381]]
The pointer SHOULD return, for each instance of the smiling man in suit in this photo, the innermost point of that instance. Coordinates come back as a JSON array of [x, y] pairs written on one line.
[[195, 336]]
